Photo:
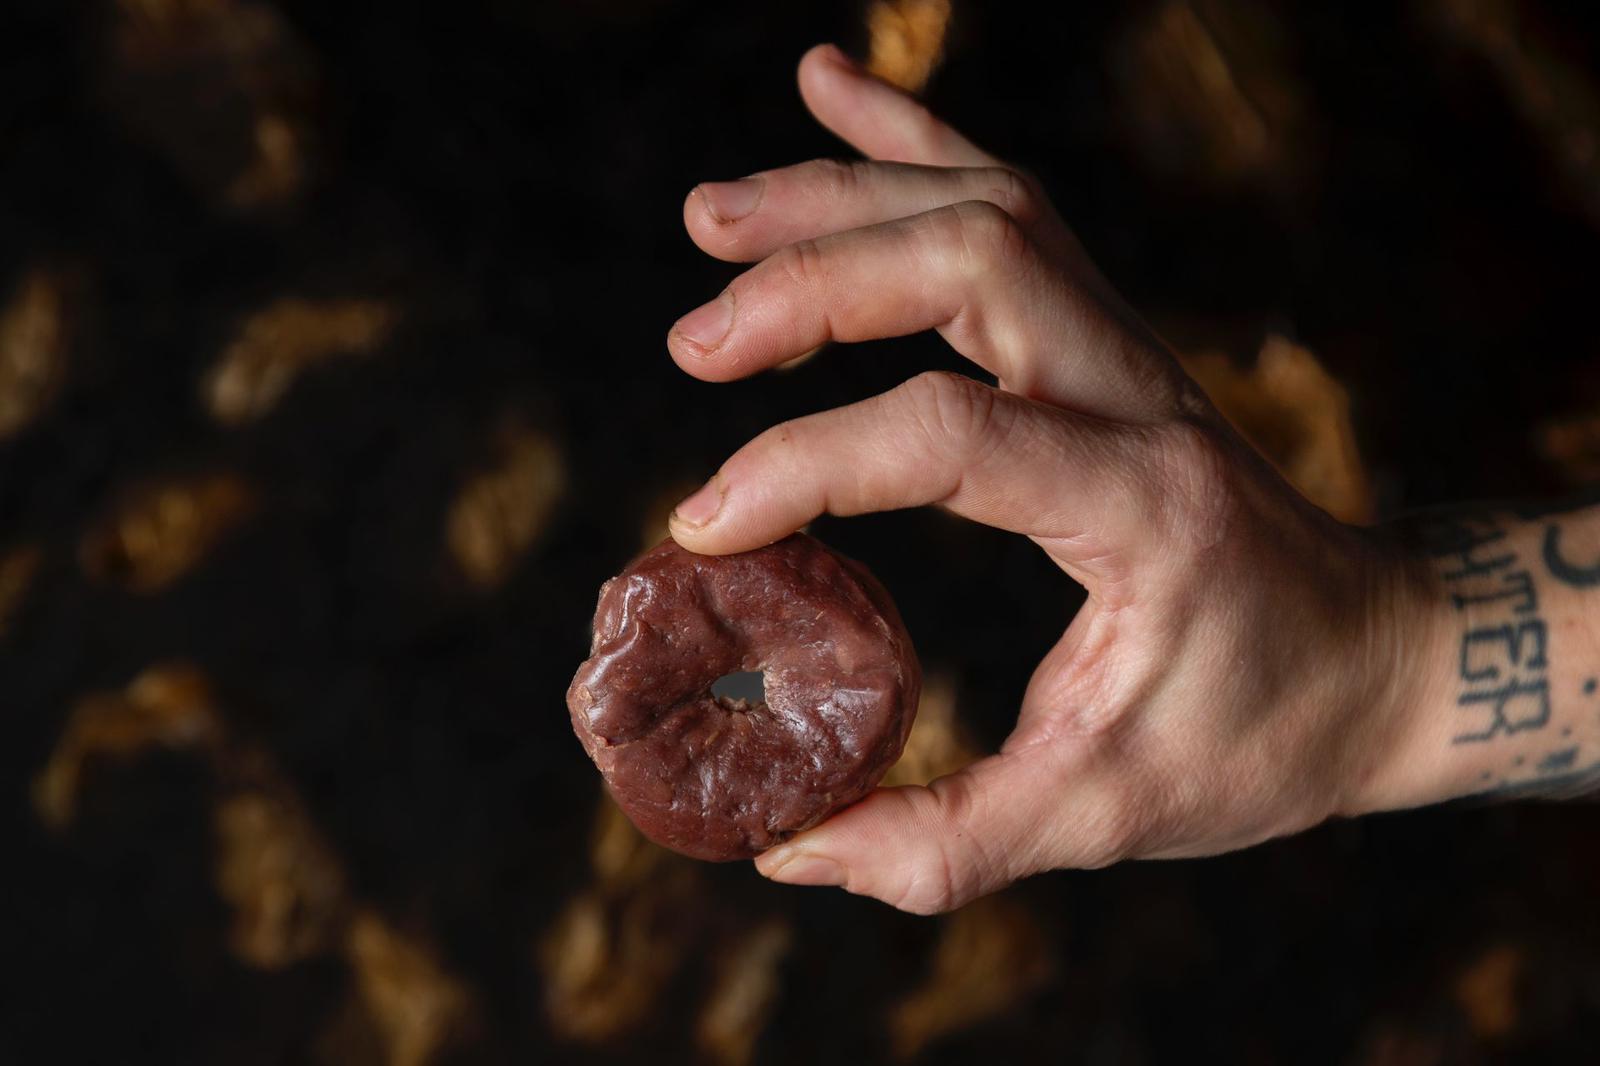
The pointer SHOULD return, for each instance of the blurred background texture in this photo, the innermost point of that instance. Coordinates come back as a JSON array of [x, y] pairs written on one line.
[[333, 383]]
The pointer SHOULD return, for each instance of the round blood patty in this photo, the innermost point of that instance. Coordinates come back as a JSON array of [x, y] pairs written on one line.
[[724, 779]]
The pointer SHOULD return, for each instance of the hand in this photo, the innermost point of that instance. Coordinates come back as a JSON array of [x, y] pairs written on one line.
[[1232, 676]]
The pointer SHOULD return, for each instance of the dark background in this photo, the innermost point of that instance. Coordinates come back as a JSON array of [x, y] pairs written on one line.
[[510, 176]]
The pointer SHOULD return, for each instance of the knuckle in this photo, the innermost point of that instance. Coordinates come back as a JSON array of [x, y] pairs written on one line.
[[801, 263], [955, 414], [1196, 469], [984, 236], [925, 906], [927, 889], [953, 865], [1014, 192], [838, 180]]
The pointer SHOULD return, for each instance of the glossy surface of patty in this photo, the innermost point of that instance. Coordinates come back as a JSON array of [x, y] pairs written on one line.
[[724, 779]]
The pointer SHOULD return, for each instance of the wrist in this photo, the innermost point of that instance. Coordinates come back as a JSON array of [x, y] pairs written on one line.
[[1400, 760]]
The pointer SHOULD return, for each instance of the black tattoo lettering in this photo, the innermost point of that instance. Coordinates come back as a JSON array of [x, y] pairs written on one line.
[[1482, 655], [1513, 708], [1504, 657], [1515, 587], [1563, 569], [1504, 654]]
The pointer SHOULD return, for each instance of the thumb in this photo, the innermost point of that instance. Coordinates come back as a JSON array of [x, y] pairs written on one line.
[[931, 849]]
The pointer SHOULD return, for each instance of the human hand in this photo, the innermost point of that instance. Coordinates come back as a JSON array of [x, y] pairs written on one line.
[[1234, 673]]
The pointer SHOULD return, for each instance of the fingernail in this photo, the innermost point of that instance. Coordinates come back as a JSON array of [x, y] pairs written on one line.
[[707, 324], [729, 201], [702, 507], [805, 869]]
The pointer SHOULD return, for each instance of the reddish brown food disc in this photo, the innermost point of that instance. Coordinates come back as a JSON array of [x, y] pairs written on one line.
[[721, 779]]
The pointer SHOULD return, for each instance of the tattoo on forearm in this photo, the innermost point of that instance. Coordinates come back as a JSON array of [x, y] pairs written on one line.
[[1503, 664], [1504, 655]]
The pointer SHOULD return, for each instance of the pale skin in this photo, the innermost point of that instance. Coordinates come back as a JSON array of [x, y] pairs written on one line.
[[1244, 667]]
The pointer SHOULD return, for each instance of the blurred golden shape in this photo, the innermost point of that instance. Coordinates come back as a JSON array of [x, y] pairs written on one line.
[[282, 880], [1209, 90], [276, 170], [621, 855], [415, 1003], [605, 961], [169, 705], [222, 89], [1296, 415], [1556, 97], [742, 994], [1186, 51], [1572, 445], [938, 744], [32, 350], [610, 953], [276, 344], [501, 510], [160, 532], [291, 902], [284, 883], [1487, 991], [17, 568], [991, 955], [907, 40]]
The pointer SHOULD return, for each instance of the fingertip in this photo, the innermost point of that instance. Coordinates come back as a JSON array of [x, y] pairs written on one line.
[[687, 539], [769, 861], [683, 353], [694, 208], [700, 222], [724, 218], [869, 849], [694, 340], [729, 533], [701, 506], [848, 838], [706, 523], [829, 54], [792, 864], [877, 117], [697, 362], [817, 67], [692, 538]]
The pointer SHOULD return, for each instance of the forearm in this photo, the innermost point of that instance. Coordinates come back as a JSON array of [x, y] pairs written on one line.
[[1502, 634]]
